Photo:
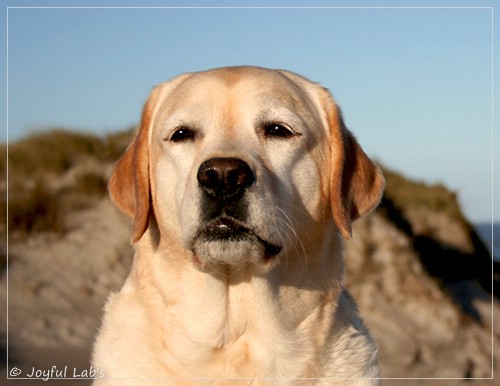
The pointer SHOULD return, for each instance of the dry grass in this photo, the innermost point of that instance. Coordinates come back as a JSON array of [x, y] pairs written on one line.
[[37, 200], [38, 203], [34, 209], [406, 194], [56, 151]]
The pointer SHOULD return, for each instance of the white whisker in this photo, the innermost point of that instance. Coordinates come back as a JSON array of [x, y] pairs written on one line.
[[288, 223]]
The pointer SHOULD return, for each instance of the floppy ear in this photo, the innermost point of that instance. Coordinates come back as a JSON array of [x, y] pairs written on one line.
[[357, 183], [129, 184]]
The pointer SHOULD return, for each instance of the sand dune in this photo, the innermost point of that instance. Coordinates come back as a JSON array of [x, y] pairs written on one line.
[[430, 321]]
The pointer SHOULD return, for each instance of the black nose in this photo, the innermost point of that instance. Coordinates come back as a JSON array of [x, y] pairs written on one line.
[[225, 177]]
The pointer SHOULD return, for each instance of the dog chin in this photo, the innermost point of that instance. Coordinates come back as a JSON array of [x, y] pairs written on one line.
[[232, 253], [226, 241]]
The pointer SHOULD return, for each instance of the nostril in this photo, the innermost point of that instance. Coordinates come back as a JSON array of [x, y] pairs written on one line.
[[238, 178], [209, 179], [225, 177]]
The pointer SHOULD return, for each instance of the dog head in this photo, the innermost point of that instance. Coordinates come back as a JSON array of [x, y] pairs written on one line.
[[241, 165]]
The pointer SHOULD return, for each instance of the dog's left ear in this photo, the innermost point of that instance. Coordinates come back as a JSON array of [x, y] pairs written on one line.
[[129, 185], [356, 182]]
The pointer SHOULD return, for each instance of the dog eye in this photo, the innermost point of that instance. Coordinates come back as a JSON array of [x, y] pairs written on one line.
[[183, 134], [277, 130]]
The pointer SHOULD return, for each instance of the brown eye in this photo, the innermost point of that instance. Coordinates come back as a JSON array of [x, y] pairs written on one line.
[[278, 131], [183, 134]]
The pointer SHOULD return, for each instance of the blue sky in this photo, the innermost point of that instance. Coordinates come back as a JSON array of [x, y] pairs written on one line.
[[415, 84]]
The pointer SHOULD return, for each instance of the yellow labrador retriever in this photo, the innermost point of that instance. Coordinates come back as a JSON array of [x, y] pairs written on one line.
[[241, 182]]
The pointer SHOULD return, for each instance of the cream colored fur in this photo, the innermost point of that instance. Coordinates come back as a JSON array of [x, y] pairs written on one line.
[[198, 311]]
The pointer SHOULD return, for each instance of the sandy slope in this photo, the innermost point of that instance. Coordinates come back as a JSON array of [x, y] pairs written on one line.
[[57, 286]]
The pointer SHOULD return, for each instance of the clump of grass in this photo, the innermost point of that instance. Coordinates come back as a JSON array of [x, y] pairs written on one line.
[[407, 194], [51, 152], [35, 209], [91, 184], [56, 151], [33, 203]]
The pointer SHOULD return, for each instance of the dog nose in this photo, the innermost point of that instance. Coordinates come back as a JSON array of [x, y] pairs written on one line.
[[225, 177]]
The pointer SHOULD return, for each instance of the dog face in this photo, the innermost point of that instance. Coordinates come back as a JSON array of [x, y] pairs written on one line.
[[243, 165]]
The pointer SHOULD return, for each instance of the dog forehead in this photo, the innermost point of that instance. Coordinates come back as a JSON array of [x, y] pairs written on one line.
[[238, 86], [232, 77]]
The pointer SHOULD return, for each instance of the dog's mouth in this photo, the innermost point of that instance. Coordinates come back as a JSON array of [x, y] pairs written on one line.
[[225, 228], [227, 233]]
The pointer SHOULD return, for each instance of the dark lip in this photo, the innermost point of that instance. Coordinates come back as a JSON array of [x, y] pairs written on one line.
[[227, 228]]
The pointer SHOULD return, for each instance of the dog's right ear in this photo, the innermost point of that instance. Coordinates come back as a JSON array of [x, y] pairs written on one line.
[[129, 185]]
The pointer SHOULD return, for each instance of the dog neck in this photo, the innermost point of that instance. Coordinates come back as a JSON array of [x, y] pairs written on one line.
[[239, 314]]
